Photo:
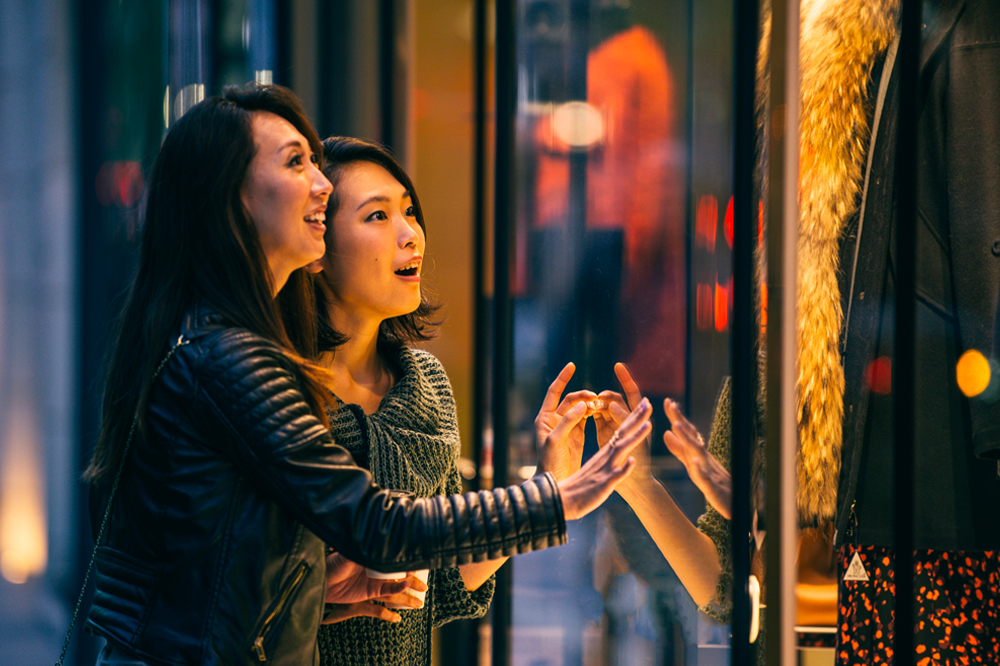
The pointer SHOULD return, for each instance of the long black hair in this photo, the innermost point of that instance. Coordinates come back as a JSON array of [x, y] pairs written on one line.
[[340, 152], [198, 241]]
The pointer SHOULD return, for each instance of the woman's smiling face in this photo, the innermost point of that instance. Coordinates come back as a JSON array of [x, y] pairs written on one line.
[[375, 248], [286, 195]]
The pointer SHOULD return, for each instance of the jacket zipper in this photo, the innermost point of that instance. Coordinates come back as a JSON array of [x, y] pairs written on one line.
[[258, 643]]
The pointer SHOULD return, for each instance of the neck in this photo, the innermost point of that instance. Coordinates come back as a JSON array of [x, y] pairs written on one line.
[[360, 375]]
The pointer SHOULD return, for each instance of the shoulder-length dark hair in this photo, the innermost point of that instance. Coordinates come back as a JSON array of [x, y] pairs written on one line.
[[339, 152], [198, 241]]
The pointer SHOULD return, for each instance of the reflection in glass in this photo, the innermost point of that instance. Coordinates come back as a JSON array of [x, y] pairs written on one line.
[[603, 269]]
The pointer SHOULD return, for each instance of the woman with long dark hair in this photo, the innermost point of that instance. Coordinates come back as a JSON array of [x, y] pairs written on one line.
[[228, 482]]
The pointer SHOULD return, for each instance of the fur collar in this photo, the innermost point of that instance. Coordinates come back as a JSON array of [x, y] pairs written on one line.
[[841, 41]]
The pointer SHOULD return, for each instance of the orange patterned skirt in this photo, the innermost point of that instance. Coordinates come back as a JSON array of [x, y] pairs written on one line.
[[957, 606]]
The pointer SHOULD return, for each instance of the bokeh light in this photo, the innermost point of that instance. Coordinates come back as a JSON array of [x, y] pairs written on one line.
[[973, 373]]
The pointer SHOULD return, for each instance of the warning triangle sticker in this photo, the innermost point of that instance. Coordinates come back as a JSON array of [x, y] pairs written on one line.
[[857, 570]]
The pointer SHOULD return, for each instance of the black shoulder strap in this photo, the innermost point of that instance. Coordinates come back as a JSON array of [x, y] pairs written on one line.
[[181, 341]]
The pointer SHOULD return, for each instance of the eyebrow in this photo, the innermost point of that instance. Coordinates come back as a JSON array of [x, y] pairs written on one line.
[[288, 144], [381, 199]]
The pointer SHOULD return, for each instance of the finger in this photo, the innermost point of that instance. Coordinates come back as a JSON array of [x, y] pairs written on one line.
[[383, 588], [682, 427], [613, 398], [407, 600], [623, 472], [673, 443], [570, 420], [576, 396], [629, 385], [615, 407], [619, 412], [416, 584], [639, 415], [625, 444], [340, 612], [673, 412], [556, 388], [608, 395]]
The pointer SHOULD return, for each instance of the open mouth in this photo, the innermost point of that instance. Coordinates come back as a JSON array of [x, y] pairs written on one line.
[[409, 270], [316, 218]]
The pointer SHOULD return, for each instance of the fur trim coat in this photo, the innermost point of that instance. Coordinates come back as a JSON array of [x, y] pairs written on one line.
[[842, 42]]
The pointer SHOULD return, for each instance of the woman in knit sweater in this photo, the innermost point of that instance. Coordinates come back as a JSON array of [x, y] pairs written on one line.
[[396, 409]]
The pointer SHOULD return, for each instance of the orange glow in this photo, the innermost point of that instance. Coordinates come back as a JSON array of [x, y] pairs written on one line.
[[880, 375], [23, 539], [721, 307], [706, 221], [973, 373], [727, 226], [760, 223], [703, 307], [763, 310]]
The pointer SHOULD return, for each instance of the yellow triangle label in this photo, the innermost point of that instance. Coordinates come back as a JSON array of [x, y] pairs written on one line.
[[857, 570]]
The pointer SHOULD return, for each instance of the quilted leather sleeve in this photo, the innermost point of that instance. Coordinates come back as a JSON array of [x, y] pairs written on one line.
[[251, 395]]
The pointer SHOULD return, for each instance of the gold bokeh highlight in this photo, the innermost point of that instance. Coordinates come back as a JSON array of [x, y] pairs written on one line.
[[973, 373]]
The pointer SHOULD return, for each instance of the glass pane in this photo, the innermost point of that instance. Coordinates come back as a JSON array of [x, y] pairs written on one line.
[[622, 254]]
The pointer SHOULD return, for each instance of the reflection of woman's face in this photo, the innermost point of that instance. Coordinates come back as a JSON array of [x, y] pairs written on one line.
[[374, 247], [285, 195]]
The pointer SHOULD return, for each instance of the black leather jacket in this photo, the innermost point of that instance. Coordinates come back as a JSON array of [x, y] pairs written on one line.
[[215, 547]]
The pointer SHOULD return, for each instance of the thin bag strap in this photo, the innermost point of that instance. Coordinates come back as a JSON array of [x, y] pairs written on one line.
[[181, 341], [883, 87]]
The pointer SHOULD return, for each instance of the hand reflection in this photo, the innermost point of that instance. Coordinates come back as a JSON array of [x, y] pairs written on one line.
[[707, 473], [559, 426]]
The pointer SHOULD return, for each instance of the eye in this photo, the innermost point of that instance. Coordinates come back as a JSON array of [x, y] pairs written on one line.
[[296, 160], [377, 215], [314, 158], [410, 212]]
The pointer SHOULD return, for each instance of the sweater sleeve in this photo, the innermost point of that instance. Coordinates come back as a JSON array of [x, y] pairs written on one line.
[[452, 601], [712, 523]]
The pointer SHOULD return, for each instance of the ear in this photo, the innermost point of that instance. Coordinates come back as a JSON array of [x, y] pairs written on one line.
[[314, 267]]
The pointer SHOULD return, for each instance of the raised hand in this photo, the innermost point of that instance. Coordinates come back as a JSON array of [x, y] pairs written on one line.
[[559, 426], [687, 444], [585, 490], [613, 409], [350, 592]]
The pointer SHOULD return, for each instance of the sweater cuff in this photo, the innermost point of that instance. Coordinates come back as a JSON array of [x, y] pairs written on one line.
[[452, 601], [718, 529]]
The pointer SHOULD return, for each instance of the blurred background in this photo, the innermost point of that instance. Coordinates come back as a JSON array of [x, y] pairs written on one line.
[[574, 160]]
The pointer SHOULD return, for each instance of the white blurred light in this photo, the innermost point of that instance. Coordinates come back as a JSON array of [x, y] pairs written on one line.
[[166, 108], [189, 95], [578, 124]]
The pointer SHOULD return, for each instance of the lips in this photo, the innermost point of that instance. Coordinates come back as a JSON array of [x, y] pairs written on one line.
[[317, 219], [410, 269]]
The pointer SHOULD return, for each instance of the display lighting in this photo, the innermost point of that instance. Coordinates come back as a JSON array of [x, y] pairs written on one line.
[[23, 541], [973, 373]]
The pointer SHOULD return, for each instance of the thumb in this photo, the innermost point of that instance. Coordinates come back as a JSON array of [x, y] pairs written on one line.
[[570, 420]]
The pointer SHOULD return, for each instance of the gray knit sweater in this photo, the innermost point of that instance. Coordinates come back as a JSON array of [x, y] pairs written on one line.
[[411, 443]]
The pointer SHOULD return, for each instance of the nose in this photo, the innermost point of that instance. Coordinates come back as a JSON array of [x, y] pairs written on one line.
[[321, 186], [410, 232]]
